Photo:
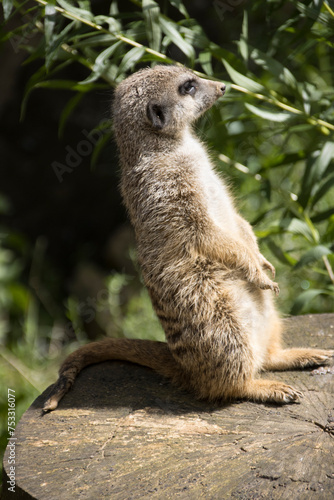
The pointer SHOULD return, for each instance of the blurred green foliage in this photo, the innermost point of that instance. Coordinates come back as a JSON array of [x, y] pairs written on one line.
[[272, 135]]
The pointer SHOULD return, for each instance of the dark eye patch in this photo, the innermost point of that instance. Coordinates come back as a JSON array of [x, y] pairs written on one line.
[[188, 88]]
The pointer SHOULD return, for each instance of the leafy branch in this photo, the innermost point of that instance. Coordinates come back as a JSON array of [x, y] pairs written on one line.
[[275, 130], [274, 100]]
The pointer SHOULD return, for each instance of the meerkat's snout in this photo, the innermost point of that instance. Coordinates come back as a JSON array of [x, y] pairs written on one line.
[[219, 88]]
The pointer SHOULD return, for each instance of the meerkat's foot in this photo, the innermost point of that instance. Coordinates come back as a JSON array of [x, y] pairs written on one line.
[[269, 391], [286, 359]]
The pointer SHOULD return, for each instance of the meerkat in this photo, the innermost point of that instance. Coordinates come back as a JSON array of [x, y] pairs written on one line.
[[199, 258]]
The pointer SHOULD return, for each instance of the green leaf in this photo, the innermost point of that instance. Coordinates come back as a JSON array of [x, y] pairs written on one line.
[[104, 139], [326, 155], [270, 115], [113, 25], [322, 191], [243, 43], [84, 13], [130, 59], [69, 85], [315, 14], [328, 236], [168, 27], [296, 226], [49, 25], [151, 12], [283, 160], [180, 7], [101, 63], [243, 80], [85, 4], [312, 255], [316, 166], [205, 59], [282, 256], [52, 52], [55, 84], [324, 215], [7, 6], [70, 106], [304, 299], [92, 39], [273, 67]]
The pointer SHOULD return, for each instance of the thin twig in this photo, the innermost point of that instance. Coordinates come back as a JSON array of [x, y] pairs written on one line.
[[329, 9], [328, 267]]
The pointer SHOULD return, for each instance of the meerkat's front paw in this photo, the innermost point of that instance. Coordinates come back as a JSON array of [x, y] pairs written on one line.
[[261, 280], [269, 285], [267, 266]]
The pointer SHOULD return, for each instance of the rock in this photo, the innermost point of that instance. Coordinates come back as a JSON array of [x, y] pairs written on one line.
[[123, 432]]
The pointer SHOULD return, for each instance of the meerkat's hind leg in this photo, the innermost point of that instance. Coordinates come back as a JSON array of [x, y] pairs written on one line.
[[269, 391], [289, 359]]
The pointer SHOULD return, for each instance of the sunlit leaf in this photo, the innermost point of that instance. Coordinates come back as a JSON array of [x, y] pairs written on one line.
[[54, 47], [49, 25], [242, 80], [305, 298], [151, 11], [279, 253], [101, 63], [312, 255], [300, 227], [178, 4], [323, 190], [315, 14], [317, 164], [130, 59], [205, 59], [113, 24], [83, 12], [7, 6], [273, 66], [275, 116], [170, 30]]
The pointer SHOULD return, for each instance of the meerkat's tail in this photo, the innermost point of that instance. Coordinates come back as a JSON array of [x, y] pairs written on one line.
[[153, 354]]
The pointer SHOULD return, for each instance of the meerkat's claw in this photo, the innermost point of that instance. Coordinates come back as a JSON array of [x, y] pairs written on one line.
[[269, 267], [266, 284]]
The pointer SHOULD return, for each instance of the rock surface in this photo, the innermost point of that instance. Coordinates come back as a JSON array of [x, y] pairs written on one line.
[[123, 432]]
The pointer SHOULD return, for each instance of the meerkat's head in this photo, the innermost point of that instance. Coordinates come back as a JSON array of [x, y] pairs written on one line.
[[163, 100]]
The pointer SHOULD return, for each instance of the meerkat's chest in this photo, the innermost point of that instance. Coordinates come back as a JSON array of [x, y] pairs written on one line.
[[217, 198]]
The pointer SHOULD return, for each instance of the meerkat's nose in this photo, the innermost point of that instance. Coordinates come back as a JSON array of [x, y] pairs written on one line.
[[222, 88]]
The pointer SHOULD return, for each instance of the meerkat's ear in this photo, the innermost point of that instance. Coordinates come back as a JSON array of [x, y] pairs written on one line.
[[157, 114]]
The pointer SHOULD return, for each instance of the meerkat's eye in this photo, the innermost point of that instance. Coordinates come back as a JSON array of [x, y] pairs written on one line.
[[188, 88]]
